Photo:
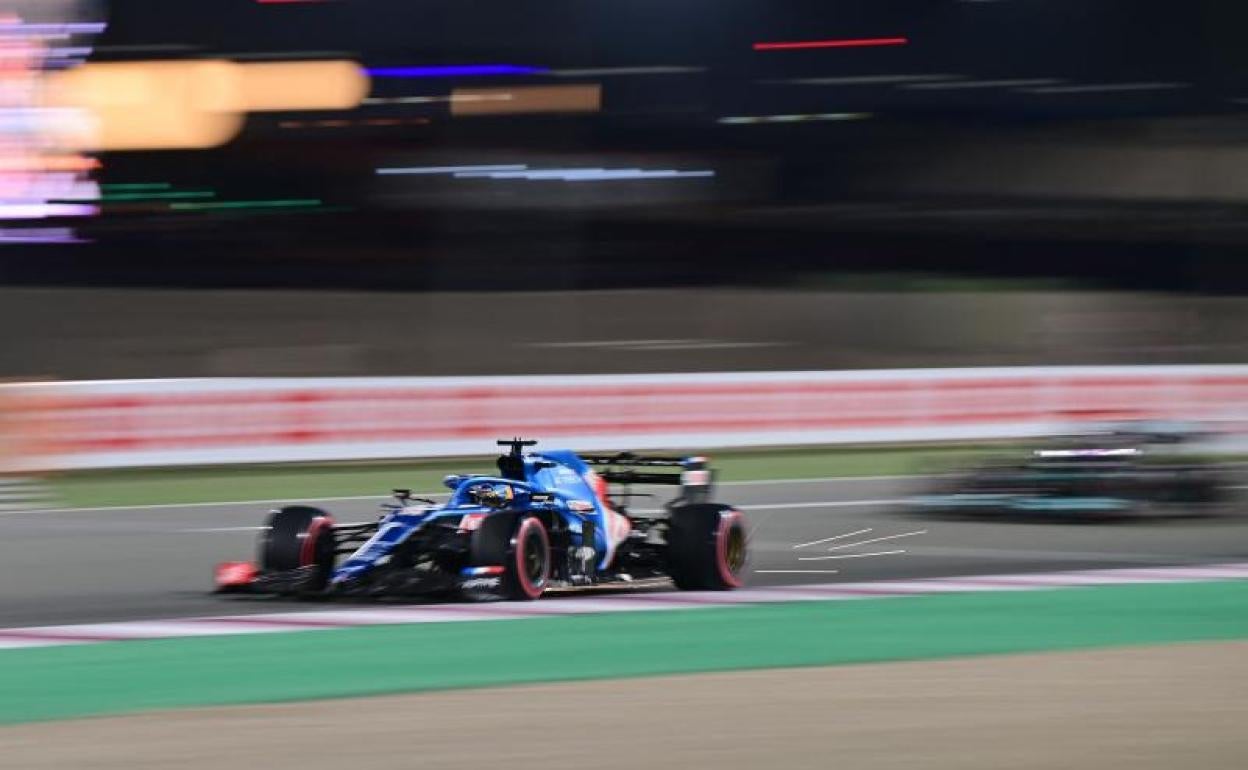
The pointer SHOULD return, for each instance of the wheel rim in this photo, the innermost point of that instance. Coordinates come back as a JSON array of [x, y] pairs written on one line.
[[735, 556], [534, 562], [532, 558], [731, 550], [312, 548]]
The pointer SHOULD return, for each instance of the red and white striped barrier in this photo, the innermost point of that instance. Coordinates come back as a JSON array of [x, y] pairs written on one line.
[[190, 422]]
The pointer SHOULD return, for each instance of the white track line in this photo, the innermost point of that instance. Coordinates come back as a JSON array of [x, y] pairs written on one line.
[[827, 480], [830, 539], [760, 507], [287, 500], [877, 539], [823, 504], [796, 571], [785, 506], [112, 508], [849, 556]]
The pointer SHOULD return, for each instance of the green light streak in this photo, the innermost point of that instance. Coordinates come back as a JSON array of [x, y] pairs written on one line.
[[137, 186], [245, 205], [154, 196]]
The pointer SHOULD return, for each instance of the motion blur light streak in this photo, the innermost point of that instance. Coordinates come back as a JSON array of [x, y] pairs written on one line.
[[243, 205], [45, 210], [969, 84], [354, 123], [39, 235], [456, 97], [155, 196], [614, 71], [196, 104], [821, 116], [451, 71], [70, 52], [64, 30], [866, 42], [1104, 88], [40, 175], [514, 100], [126, 186], [152, 48], [51, 163], [147, 105], [302, 85], [586, 174], [417, 170], [243, 56], [865, 80], [521, 171], [527, 99]]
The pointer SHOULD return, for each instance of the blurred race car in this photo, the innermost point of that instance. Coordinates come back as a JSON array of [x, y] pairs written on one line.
[[1128, 469], [547, 519]]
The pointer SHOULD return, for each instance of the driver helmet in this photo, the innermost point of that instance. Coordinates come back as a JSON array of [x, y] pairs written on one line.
[[494, 495]]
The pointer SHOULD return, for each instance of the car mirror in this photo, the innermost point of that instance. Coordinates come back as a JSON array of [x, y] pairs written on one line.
[[452, 481]]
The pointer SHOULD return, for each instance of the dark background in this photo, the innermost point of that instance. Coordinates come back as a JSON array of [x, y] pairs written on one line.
[[1142, 188]]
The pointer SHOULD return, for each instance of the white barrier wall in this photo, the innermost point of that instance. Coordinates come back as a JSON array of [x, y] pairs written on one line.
[[186, 422]]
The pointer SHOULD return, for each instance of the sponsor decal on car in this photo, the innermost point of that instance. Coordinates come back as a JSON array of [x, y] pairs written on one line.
[[480, 583], [580, 506], [473, 571], [564, 475]]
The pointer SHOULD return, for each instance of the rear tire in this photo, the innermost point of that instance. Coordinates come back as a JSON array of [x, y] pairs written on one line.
[[521, 546], [707, 548], [299, 536]]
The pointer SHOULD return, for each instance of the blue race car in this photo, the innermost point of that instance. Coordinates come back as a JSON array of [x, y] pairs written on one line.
[[546, 519]]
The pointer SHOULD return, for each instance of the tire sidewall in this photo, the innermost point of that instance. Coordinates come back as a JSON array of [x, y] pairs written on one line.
[[298, 537], [698, 539], [729, 521], [500, 541], [529, 529]]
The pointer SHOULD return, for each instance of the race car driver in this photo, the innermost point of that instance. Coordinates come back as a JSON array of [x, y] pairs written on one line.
[[492, 495]]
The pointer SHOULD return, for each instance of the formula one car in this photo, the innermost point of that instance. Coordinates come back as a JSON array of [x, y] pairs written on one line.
[[1126, 470], [547, 519]]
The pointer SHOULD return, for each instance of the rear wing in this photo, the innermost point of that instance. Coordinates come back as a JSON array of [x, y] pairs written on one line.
[[691, 474]]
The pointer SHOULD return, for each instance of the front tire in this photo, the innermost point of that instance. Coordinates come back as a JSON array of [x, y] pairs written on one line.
[[707, 548], [299, 536], [520, 545]]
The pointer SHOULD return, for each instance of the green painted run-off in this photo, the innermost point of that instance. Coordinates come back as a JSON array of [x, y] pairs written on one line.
[[64, 682]]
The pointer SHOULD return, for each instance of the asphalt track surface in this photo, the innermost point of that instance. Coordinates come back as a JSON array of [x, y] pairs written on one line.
[[102, 565]]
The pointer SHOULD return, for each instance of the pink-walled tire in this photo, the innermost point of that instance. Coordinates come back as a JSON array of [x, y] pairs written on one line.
[[299, 536], [521, 546], [707, 547]]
